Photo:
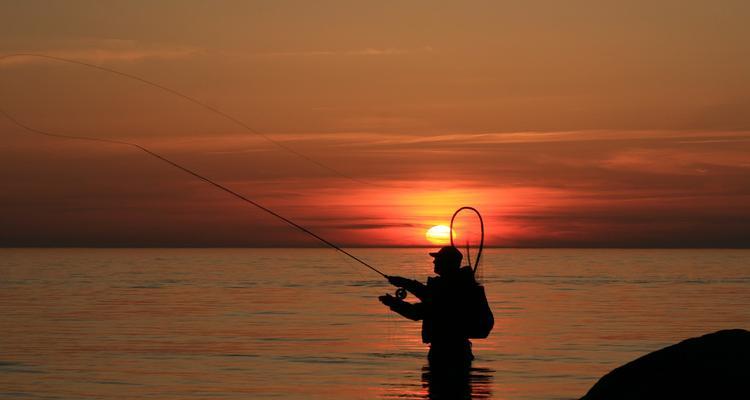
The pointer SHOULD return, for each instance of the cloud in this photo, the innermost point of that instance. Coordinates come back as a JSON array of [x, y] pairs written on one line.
[[375, 226], [679, 160], [370, 51], [299, 53], [100, 51]]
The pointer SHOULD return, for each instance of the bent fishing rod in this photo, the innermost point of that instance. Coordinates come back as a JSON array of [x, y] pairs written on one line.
[[197, 175]]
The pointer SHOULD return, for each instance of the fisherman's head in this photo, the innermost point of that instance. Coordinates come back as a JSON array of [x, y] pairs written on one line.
[[447, 260]]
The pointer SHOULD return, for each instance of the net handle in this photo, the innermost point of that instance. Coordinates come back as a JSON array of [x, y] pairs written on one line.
[[481, 242]]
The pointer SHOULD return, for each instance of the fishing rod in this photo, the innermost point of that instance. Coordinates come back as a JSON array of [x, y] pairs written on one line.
[[195, 101], [176, 165], [197, 175]]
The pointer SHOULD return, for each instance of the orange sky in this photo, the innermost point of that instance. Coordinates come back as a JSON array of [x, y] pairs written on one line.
[[581, 123]]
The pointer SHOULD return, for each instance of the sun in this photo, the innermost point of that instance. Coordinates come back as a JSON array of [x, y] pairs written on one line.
[[439, 235]]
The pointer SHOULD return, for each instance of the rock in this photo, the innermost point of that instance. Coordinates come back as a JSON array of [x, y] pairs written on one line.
[[713, 366]]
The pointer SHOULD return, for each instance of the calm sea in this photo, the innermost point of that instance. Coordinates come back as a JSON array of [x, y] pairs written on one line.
[[306, 323]]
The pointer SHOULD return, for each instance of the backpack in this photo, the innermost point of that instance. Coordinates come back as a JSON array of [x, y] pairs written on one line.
[[479, 321]]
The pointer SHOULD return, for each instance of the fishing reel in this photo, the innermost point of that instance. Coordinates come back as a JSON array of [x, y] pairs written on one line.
[[400, 293]]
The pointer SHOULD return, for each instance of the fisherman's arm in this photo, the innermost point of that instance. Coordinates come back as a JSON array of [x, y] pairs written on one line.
[[414, 312], [414, 287]]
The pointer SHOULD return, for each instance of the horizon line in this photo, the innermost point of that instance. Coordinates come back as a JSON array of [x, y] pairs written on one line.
[[387, 247]]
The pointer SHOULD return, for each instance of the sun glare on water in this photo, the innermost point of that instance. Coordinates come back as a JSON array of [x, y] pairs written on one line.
[[439, 235]]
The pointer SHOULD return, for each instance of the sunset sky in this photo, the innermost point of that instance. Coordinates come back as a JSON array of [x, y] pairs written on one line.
[[567, 123]]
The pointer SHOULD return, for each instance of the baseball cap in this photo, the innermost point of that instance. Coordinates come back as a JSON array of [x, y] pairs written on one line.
[[448, 252]]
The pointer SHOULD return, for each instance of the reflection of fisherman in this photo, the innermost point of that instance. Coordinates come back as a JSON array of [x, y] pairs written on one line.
[[445, 307]]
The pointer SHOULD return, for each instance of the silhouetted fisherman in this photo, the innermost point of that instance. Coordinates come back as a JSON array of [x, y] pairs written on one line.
[[449, 309]]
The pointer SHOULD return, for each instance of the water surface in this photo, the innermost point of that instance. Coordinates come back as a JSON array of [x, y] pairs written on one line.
[[306, 323]]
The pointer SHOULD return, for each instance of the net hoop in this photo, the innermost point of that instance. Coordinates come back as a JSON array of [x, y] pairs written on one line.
[[481, 242]]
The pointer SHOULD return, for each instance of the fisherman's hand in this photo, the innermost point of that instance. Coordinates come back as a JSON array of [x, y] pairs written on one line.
[[387, 299], [398, 281]]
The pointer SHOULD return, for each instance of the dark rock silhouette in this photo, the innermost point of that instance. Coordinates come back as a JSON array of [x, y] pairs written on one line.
[[713, 366]]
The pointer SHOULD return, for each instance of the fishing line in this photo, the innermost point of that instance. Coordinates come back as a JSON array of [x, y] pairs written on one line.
[[197, 175], [197, 102]]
